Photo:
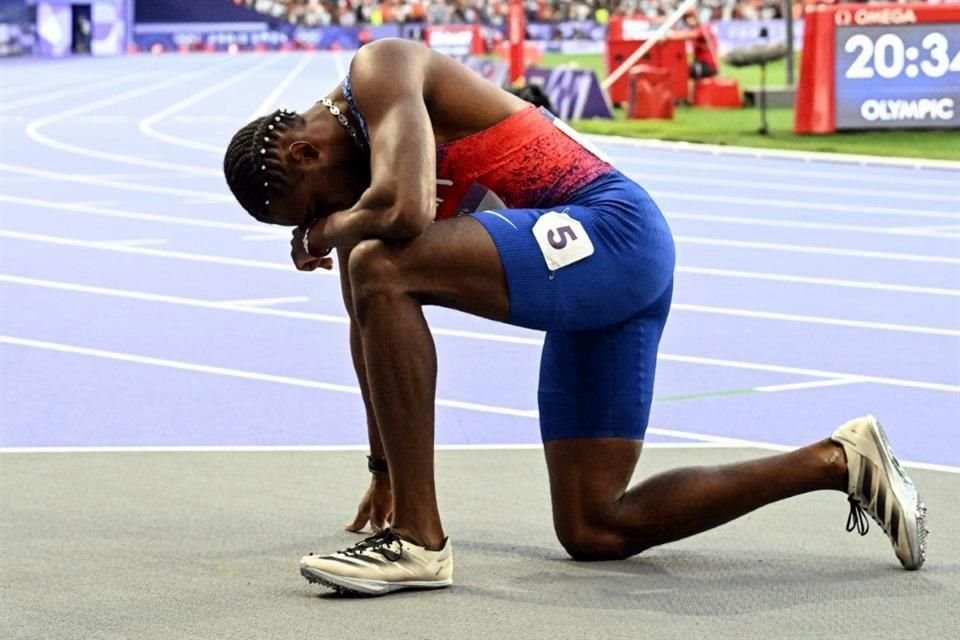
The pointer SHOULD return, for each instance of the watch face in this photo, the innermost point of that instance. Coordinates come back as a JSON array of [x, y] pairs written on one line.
[[898, 76]]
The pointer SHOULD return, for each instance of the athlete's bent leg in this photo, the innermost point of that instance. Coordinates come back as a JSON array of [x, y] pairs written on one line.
[[453, 264], [597, 518]]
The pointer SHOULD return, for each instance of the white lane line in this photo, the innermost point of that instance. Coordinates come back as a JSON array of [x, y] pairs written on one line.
[[87, 180], [266, 302], [471, 335], [830, 282], [243, 374], [204, 119], [259, 237], [34, 128], [7, 83], [787, 205], [779, 223], [335, 448], [148, 123], [144, 251], [281, 266], [89, 209], [727, 443], [336, 388], [65, 93], [266, 235], [803, 319], [813, 384], [815, 373], [175, 300], [650, 177], [800, 171], [270, 102], [758, 153], [136, 242], [830, 251], [951, 229]]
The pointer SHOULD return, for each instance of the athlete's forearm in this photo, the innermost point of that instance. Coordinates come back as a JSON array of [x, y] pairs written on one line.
[[387, 221]]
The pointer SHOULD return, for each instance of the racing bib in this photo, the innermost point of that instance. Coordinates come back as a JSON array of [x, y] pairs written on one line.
[[562, 240]]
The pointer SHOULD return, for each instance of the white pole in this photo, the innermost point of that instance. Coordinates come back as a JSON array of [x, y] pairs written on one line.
[[661, 31]]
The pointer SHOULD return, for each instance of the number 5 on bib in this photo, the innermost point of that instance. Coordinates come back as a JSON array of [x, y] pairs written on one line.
[[562, 240]]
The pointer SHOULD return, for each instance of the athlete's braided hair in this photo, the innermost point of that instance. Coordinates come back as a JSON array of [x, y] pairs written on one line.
[[252, 165]]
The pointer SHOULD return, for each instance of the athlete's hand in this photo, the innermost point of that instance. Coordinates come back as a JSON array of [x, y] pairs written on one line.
[[303, 260], [376, 506]]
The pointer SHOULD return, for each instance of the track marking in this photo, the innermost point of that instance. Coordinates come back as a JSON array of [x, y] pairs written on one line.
[[147, 124], [838, 322], [266, 302], [788, 154], [74, 90], [814, 384], [805, 204], [830, 251], [243, 374], [87, 180], [831, 282], [33, 128], [46, 85], [269, 102], [262, 234], [779, 223], [327, 448], [144, 251], [815, 373], [802, 188], [714, 442], [135, 242], [260, 237], [472, 335], [92, 209], [800, 171]]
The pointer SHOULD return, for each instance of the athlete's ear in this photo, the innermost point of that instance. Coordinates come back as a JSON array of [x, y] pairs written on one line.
[[303, 152]]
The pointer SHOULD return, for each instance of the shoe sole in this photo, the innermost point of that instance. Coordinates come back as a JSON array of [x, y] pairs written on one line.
[[367, 588], [911, 506]]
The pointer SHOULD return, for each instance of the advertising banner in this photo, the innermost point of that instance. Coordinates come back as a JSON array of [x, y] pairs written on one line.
[[574, 93]]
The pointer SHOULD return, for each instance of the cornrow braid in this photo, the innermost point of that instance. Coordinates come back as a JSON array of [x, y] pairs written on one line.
[[252, 165]]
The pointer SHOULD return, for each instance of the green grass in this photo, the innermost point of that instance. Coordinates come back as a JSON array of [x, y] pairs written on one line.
[[739, 126]]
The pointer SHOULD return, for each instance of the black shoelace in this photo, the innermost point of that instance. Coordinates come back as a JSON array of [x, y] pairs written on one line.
[[857, 520], [379, 543]]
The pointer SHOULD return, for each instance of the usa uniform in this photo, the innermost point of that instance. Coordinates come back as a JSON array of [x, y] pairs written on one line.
[[588, 258]]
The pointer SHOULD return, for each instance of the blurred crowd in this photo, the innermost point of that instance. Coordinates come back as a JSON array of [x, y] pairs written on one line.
[[318, 13]]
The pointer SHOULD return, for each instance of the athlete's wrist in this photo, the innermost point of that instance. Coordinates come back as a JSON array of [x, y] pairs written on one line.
[[377, 465], [307, 242]]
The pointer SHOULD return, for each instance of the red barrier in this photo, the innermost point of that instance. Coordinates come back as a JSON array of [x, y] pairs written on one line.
[[650, 94], [625, 36], [717, 93]]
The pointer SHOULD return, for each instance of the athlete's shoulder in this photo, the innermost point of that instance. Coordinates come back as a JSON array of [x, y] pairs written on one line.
[[389, 53]]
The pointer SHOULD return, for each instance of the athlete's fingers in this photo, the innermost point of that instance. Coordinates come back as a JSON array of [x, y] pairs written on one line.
[[326, 263], [359, 522], [308, 264]]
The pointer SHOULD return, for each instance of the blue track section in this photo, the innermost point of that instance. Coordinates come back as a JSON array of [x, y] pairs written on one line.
[[142, 307]]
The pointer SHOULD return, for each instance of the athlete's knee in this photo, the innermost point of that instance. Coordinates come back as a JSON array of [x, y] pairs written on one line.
[[374, 273], [588, 543]]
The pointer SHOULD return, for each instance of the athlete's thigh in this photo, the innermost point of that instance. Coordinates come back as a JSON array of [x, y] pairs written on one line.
[[453, 264]]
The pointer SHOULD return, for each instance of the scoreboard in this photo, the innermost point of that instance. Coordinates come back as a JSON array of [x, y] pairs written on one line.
[[891, 66]]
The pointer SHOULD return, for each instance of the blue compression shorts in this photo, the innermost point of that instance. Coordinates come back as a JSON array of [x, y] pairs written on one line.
[[603, 312]]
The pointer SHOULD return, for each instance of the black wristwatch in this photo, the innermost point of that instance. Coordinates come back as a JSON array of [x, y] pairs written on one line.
[[376, 465]]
